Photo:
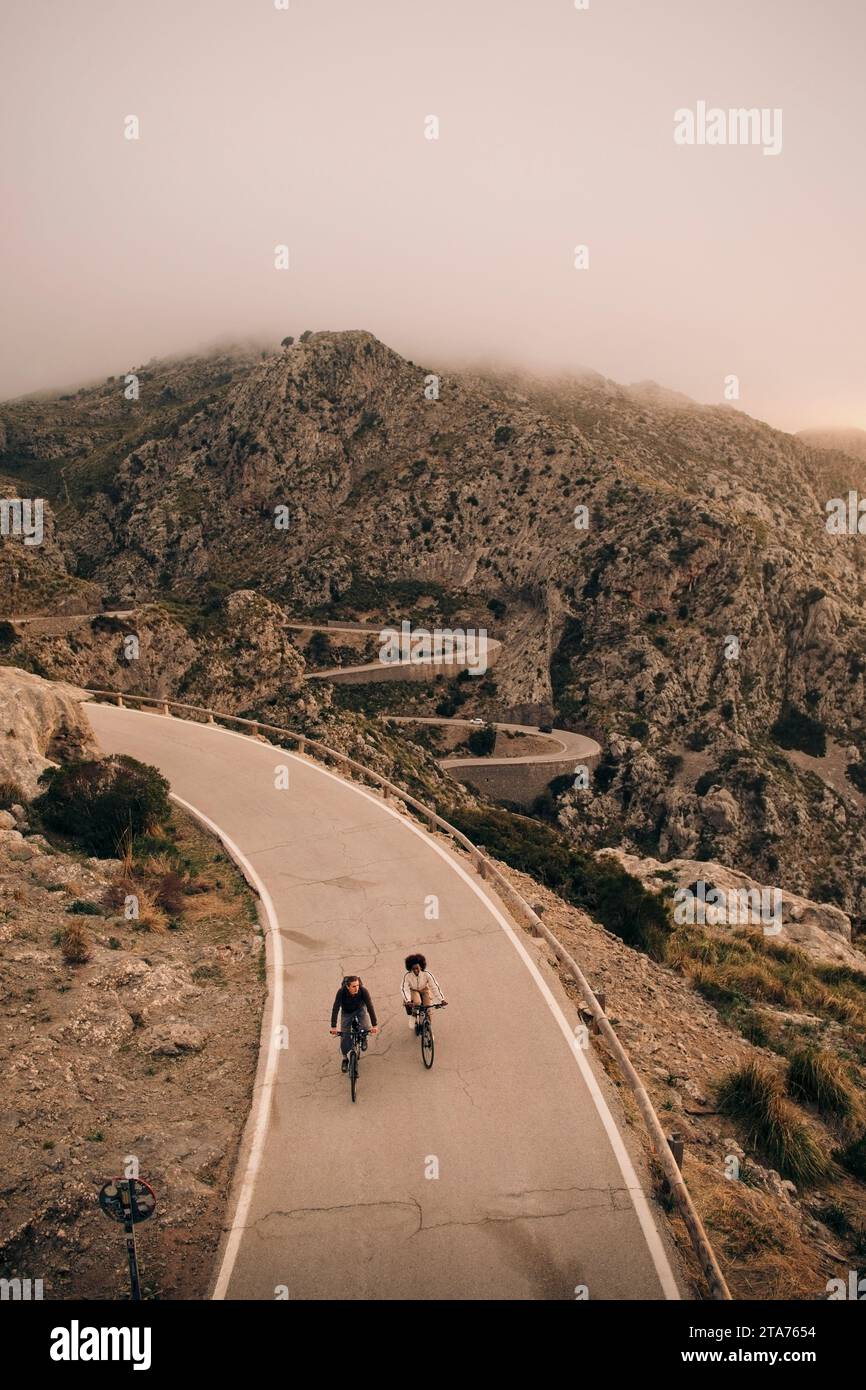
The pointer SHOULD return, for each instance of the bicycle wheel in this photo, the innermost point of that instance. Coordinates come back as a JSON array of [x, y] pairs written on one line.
[[353, 1072], [427, 1048]]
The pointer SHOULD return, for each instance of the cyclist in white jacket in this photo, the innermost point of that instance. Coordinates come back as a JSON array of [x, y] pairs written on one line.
[[419, 985]]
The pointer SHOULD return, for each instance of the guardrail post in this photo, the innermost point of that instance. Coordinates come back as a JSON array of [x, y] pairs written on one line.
[[210, 718], [602, 999], [119, 702], [165, 708], [479, 863], [302, 743], [538, 909], [676, 1146], [254, 731]]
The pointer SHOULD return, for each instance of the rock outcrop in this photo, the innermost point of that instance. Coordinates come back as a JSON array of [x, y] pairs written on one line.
[[41, 723], [820, 930]]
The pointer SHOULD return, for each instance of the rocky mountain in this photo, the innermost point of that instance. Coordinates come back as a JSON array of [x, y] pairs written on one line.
[[660, 573]]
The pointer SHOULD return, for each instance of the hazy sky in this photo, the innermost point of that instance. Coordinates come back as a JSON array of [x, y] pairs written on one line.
[[306, 127]]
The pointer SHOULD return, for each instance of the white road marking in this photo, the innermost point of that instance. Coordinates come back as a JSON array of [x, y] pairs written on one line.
[[263, 1099]]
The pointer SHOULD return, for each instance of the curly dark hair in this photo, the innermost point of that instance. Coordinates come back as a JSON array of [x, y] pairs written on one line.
[[416, 960]]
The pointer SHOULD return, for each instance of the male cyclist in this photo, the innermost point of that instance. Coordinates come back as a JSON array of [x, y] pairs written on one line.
[[354, 1001], [418, 986]]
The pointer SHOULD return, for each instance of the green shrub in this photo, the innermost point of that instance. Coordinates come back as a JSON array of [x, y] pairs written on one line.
[[481, 742], [544, 807], [8, 636], [84, 909], [146, 846], [794, 729], [697, 740], [856, 773], [319, 650], [705, 781], [604, 773], [105, 623], [600, 886], [104, 803]]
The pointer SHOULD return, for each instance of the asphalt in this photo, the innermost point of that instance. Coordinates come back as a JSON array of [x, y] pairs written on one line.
[[562, 745], [498, 1174]]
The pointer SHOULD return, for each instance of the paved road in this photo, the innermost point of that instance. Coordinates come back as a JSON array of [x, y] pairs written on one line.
[[564, 746], [490, 653], [535, 1193], [61, 618]]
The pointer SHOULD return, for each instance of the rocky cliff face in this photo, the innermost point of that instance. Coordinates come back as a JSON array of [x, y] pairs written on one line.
[[696, 613], [41, 724]]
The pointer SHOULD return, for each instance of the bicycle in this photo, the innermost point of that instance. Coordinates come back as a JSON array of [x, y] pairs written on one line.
[[354, 1053], [421, 1013]]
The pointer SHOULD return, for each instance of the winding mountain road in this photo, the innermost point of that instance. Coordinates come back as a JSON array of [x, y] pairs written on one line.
[[560, 745], [500, 1173]]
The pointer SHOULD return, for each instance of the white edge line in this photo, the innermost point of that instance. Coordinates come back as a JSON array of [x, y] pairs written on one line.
[[636, 1192], [262, 1101]]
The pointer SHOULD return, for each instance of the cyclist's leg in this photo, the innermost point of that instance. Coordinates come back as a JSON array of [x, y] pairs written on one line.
[[427, 998], [345, 1042], [416, 999], [364, 1022]]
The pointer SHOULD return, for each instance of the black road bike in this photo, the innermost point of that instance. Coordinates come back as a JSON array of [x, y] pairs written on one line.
[[354, 1054], [421, 1013]]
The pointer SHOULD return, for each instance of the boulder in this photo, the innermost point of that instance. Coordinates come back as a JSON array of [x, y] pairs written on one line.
[[170, 1039], [721, 810], [41, 723]]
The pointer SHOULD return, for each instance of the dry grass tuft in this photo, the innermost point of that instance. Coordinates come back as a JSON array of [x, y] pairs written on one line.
[[75, 944], [819, 1078], [752, 1094], [757, 1241]]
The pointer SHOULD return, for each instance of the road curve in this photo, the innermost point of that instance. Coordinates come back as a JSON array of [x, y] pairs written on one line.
[[564, 745], [500, 1174]]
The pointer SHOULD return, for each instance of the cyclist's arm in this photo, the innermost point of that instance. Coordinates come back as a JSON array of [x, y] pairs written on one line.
[[371, 1011], [336, 1009], [407, 995], [439, 989]]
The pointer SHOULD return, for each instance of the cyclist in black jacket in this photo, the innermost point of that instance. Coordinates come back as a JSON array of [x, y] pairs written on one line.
[[353, 1001]]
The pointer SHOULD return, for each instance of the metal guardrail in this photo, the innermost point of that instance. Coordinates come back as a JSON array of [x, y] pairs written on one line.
[[487, 870]]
